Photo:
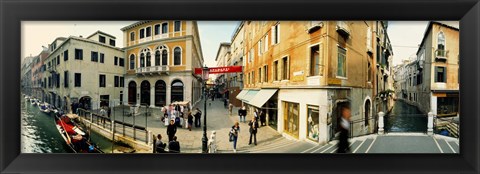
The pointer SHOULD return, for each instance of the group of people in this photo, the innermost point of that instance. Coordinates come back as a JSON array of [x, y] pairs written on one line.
[[179, 113], [173, 145], [253, 127]]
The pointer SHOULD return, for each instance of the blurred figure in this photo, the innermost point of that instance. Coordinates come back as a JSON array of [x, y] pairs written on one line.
[[212, 143], [190, 121], [230, 108], [343, 145]]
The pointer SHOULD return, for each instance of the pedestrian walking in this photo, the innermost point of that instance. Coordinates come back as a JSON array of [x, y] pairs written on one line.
[[242, 113], [190, 121], [253, 131], [171, 130], [198, 117], [230, 108], [343, 145], [159, 145], [233, 135], [225, 103], [174, 145], [263, 119], [212, 143]]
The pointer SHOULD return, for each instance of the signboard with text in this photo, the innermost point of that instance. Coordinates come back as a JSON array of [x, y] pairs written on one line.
[[219, 70]]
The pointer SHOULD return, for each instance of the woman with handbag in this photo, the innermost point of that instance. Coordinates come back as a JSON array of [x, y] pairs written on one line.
[[233, 135]]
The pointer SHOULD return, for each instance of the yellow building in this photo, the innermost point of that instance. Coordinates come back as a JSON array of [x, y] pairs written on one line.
[[161, 58], [436, 77], [300, 73]]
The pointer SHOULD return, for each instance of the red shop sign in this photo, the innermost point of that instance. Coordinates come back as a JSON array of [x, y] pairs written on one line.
[[219, 70]]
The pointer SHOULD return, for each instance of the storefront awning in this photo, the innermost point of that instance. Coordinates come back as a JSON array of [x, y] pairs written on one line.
[[261, 97], [249, 96], [241, 95]]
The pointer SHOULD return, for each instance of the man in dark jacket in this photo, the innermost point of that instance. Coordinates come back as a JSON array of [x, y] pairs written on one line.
[[253, 131], [242, 112], [198, 117], [174, 145], [171, 130]]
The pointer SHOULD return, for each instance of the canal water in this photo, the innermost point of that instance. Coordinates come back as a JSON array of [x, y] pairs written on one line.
[[405, 118], [39, 134]]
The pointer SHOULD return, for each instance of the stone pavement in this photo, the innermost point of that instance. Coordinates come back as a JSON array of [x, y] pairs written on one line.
[[388, 143], [218, 119]]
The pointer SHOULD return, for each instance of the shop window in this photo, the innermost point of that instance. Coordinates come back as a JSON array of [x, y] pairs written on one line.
[[291, 116], [313, 123]]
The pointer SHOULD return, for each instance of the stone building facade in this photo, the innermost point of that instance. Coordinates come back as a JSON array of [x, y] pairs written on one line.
[[160, 60]]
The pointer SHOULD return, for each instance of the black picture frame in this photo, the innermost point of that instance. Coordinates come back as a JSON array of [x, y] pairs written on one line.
[[12, 12]]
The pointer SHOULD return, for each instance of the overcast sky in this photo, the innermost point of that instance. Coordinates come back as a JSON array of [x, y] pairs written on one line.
[[405, 36]]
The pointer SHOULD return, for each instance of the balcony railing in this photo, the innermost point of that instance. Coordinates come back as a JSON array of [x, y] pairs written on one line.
[[440, 54], [153, 69], [52, 68]]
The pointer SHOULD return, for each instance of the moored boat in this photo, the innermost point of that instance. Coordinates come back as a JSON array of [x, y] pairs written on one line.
[[73, 135], [44, 107], [34, 101]]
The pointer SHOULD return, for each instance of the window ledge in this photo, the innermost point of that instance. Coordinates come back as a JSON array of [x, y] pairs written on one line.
[[340, 77]]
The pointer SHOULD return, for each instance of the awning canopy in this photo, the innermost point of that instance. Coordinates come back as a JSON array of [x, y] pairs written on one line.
[[250, 95], [242, 94], [261, 97]]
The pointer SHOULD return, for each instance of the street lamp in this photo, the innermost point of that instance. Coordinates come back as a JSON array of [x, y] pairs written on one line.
[[205, 72]]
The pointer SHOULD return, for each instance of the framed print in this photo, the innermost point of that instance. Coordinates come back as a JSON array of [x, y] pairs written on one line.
[[239, 87]]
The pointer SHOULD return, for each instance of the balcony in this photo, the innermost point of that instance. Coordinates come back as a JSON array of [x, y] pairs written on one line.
[[343, 29], [314, 26], [151, 70], [440, 55]]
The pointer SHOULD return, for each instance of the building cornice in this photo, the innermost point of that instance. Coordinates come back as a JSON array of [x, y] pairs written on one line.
[[101, 32], [179, 38], [136, 24]]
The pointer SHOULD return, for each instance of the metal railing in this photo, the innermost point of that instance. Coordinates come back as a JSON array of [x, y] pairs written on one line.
[[153, 69], [441, 53], [449, 124], [115, 126], [359, 122]]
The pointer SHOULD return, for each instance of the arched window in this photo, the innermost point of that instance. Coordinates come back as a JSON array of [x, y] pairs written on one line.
[[164, 57], [162, 52], [132, 61], [441, 41], [160, 93], [149, 62], [176, 91], [142, 60], [132, 93], [157, 58], [177, 56]]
